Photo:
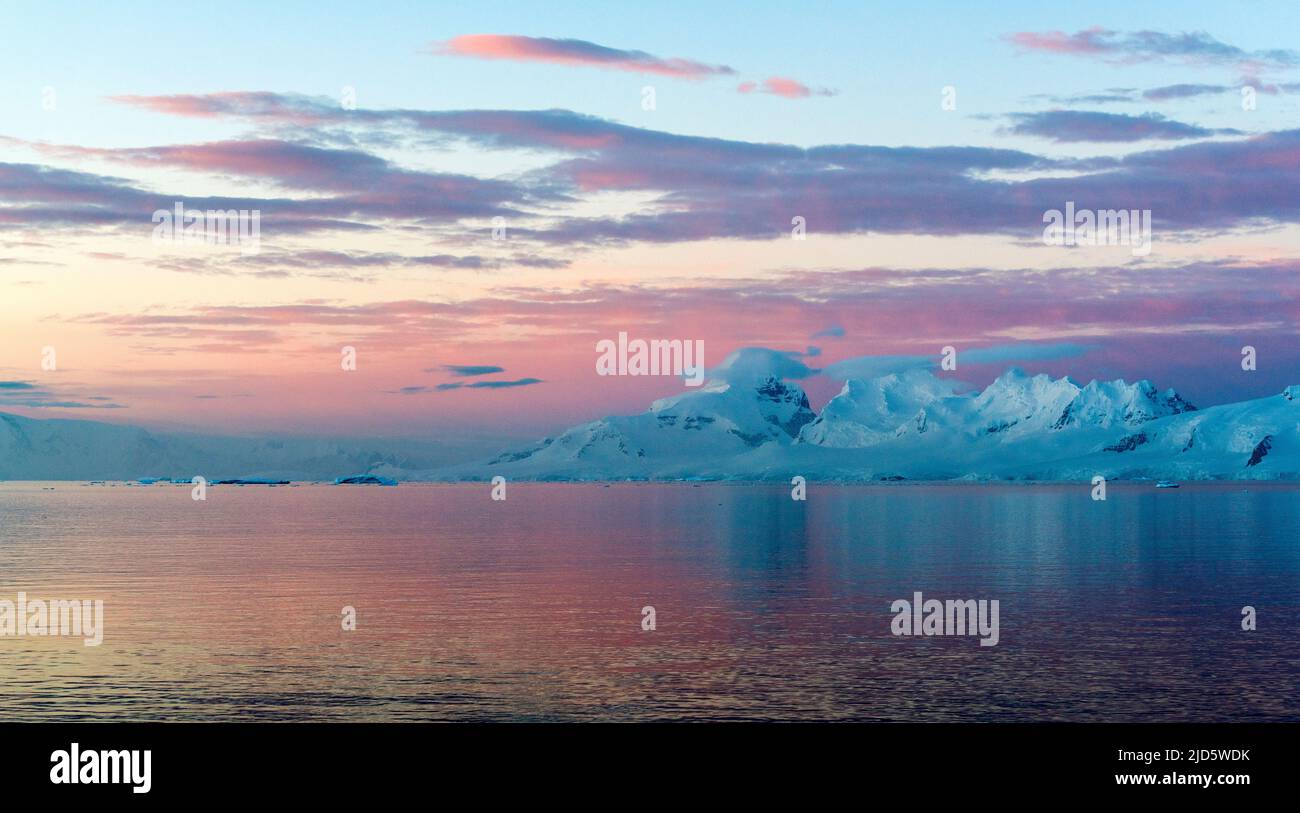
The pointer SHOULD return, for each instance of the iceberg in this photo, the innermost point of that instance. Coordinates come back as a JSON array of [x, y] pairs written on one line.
[[365, 480]]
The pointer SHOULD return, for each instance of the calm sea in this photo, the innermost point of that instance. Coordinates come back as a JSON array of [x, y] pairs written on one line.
[[765, 608]]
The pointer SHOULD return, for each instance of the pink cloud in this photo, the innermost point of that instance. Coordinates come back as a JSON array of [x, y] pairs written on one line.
[[1088, 41], [574, 52], [788, 88], [259, 104], [784, 87]]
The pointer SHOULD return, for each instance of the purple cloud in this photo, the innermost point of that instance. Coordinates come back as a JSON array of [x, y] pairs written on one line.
[[489, 385], [722, 188], [1150, 46], [1072, 125], [1182, 91], [465, 370]]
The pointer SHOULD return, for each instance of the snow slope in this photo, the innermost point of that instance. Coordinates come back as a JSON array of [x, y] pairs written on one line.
[[33, 449], [719, 422]]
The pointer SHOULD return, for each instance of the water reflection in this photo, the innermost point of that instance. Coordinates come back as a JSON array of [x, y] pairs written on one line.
[[767, 607]]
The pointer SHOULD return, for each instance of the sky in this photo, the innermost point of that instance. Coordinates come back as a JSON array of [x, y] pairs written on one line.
[[471, 196]]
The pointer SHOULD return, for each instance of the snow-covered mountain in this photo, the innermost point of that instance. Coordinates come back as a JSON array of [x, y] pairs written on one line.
[[867, 412], [909, 425], [718, 422], [1015, 405], [913, 425]]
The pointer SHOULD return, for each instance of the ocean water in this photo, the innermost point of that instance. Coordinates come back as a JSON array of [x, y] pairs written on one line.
[[765, 608]]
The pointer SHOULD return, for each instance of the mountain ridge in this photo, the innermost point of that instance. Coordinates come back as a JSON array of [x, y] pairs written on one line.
[[909, 425]]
